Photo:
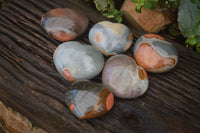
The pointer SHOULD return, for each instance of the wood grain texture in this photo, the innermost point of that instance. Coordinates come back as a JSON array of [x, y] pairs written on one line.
[[13, 122], [30, 84]]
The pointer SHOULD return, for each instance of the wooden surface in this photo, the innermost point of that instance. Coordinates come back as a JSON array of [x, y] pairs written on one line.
[[30, 84]]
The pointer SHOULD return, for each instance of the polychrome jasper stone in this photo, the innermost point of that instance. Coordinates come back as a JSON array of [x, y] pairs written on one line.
[[88, 99], [75, 61], [64, 24], [124, 77], [110, 38], [155, 54]]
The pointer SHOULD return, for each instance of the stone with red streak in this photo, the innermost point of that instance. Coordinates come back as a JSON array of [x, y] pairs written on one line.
[[64, 24], [155, 54], [89, 99]]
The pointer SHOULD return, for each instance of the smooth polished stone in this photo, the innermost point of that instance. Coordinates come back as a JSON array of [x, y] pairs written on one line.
[[124, 78], [64, 24], [88, 99], [75, 61], [155, 54], [110, 38]]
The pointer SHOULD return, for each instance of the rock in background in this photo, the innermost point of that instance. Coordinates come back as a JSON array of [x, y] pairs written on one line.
[[151, 21]]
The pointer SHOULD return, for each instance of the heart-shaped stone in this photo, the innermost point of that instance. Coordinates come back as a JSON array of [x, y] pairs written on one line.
[[110, 38], [75, 61], [88, 99]]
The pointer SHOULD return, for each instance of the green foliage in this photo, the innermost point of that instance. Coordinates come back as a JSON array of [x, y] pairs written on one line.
[[107, 8], [114, 13], [193, 43], [189, 22], [152, 4], [189, 19], [147, 4], [197, 2], [102, 5]]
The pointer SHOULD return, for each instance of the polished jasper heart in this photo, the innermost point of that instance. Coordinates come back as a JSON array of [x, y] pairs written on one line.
[[110, 38], [155, 54], [75, 61], [88, 99], [124, 77], [64, 24]]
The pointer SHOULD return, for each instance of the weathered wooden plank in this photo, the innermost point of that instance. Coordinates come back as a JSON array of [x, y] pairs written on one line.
[[30, 84]]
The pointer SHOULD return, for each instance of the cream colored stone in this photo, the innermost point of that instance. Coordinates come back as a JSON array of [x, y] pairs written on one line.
[[151, 21]]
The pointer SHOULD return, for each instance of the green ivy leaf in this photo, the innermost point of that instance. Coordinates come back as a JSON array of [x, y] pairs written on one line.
[[198, 29], [198, 39], [188, 18], [114, 12], [198, 49], [147, 5], [138, 8], [101, 5], [111, 3], [198, 45], [106, 14], [191, 41], [119, 19]]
